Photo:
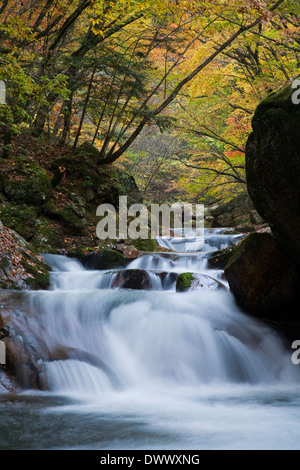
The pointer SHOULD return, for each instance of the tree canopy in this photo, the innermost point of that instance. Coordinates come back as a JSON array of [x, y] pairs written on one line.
[[104, 72]]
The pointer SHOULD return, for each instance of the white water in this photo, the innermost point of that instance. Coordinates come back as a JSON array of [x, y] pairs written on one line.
[[175, 370]]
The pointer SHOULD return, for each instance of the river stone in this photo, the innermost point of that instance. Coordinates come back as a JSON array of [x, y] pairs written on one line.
[[130, 252], [132, 279], [104, 259], [263, 279], [195, 281], [219, 259], [273, 166]]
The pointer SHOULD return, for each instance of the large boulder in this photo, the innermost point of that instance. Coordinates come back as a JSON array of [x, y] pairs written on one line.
[[273, 166], [264, 280]]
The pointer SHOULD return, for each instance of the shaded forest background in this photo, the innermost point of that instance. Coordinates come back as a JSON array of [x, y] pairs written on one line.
[[163, 90]]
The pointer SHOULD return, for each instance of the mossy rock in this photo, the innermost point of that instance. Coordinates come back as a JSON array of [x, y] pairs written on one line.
[[40, 273], [20, 218], [196, 281], [29, 184], [144, 245], [21, 267], [49, 207], [88, 150], [273, 166], [104, 259], [219, 259], [73, 216], [80, 252], [184, 282], [48, 235]]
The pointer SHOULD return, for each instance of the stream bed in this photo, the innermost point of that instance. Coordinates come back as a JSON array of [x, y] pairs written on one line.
[[156, 368]]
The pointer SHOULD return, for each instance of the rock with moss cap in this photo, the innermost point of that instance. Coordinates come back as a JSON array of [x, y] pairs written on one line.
[[196, 281], [102, 259], [27, 183]]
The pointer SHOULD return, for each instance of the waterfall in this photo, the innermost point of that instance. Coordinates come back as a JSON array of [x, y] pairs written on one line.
[[123, 338], [151, 369]]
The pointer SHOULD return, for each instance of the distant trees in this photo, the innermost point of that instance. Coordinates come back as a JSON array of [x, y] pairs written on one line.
[[102, 71]]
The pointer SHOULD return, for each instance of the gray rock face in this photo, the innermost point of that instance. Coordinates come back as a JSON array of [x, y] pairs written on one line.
[[273, 167], [239, 213]]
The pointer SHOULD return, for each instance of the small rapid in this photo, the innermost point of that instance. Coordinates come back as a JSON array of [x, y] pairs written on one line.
[[172, 368]]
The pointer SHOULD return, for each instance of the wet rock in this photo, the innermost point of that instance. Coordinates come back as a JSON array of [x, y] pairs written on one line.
[[219, 259], [273, 167], [130, 252], [20, 266], [26, 350], [195, 281], [245, 228], [132, 279], [263, 279], [104, 259]]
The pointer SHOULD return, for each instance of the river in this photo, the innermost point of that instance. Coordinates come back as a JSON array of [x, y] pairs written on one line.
[[155, 369]]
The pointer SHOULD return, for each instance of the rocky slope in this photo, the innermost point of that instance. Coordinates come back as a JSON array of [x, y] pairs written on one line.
[[54, 203]]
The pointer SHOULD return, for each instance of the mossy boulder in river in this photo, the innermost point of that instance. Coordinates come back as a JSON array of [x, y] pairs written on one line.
[[219, 259], [196, 281], [132, 279], [103, 259]]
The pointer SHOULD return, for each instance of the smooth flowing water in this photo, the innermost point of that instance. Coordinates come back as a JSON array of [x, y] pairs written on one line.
[[153, 369]]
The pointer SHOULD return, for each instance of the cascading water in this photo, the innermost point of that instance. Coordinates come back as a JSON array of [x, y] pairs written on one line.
[[157, 368]]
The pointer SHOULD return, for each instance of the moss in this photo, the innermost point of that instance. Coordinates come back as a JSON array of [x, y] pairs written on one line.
[[249, 241], [3, 262], [49, 207], [48, 235], [144, 245], [40, 273], [9, 285], [79, 252], [3, 285], [30, 184], [281, 98], [184, 282], [20, 218], [104, 259], [219, 259]]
